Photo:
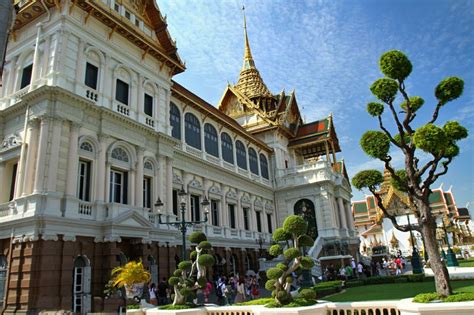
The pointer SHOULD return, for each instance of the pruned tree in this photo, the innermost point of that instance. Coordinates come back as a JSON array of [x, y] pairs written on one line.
[[293, 234], [191, 274], [438, 142]]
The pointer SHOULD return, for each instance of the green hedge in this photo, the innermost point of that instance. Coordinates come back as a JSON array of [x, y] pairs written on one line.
[[455, 297], [327, 288], [354, 283]]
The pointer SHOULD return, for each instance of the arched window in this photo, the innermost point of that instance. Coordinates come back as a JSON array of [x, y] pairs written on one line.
[[175, 121], [192, 131], [263, 166], [241, 154], [227, 148], [87, 146], [120, 154], [253, 161], [210, 136]]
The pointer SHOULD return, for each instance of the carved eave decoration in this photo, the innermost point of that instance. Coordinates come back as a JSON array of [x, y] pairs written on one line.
[[29, 11]]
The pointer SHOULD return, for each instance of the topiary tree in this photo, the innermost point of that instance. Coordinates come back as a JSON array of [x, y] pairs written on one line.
[[438, 142], [293, 234], [191, 274]]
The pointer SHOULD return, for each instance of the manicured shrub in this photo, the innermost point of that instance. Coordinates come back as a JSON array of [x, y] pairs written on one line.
[[425, 297], [293, 232], [353, 283], [307, 294], [191, 275], [460, 297]]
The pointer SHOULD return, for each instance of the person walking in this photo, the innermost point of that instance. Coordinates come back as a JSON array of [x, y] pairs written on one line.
[[207, 291], [152, 294], [240, 296], [162, 292]]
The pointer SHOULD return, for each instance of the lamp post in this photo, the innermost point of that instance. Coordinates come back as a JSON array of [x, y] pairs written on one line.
[[182, 224], [450, 257], [415, 257]]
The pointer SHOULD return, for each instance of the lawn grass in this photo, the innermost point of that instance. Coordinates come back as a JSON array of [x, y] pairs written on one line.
[[394, 291], [466, 263]]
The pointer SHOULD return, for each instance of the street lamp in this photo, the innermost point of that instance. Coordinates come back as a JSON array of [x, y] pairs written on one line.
[[182, 224], [450, 257], [415, 257]]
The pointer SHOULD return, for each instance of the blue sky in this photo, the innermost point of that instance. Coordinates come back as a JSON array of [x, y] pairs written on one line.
[[328, 52]]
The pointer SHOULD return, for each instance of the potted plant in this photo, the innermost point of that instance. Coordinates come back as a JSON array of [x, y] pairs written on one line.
[[132, 276]]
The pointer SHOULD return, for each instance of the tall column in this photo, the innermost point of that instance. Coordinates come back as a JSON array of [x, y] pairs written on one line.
[[101, 181], [131, 187], [41, 157], [139, 178], [32, 141], [239, 212], [169, 184], [54, 154], [73, 159], [80, 72], [162, 182], [350, 217], [342, 211]]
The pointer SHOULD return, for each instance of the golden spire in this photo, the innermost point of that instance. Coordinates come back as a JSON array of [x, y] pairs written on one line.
[[250, 83], [248, 60]]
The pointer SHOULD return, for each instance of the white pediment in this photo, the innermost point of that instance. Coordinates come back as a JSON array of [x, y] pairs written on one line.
[[132, 218]]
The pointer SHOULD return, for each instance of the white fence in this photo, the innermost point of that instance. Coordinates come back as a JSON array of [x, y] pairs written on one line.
[[403, 307]]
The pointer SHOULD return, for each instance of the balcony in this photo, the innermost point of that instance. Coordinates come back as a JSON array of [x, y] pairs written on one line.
[[306, 173]]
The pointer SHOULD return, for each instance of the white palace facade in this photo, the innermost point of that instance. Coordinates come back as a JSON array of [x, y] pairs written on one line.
[[94, 130]]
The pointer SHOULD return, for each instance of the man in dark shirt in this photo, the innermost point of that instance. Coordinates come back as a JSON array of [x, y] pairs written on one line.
[[163, 292]]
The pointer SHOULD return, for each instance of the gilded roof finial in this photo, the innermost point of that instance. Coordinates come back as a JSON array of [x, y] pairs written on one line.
[[248, 60]]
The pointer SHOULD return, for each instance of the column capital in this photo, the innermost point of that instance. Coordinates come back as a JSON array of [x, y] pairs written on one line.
[[75, 126], [102, 137]]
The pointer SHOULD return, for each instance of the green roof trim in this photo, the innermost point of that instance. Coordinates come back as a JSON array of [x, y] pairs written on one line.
[[449, 199], [360, 207], [435, 197]]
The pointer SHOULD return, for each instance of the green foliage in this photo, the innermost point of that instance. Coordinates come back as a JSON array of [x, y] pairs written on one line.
[[186, 291], [451, 150], [280, 235], [177, 273], [298, 302], [275, 250], [291, 253], [398, 139], [197, 237], [375, 109], [449, 89], [415, 103], [206, 260], [270, 284], [402, 184], [173, 280], [289, 279], [283, 297], [367, 179], [328, 284], [295, 224], [193, 255], [307, 263], [384, 89], [177, 307], [202, 282], [425, 297], [395, 65], [415, 277], [354, 283], [262, 301], [133, 306], [305, 240], [460, 297], [205, 245], [274, 273], [185, 265], [454, 131], [430, 138], [307, 294], [375, 144], [282, 266]]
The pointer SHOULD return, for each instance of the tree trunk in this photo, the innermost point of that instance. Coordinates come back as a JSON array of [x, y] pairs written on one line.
[[440, 271]]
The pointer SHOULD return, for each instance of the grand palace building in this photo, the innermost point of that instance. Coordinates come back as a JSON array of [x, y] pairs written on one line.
[[94, 130]]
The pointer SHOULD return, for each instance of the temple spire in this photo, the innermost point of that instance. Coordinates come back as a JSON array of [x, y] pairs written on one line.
[[250, 83], [248, 59]]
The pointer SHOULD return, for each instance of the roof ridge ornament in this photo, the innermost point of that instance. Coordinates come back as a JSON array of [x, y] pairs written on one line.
[[248, 59]]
